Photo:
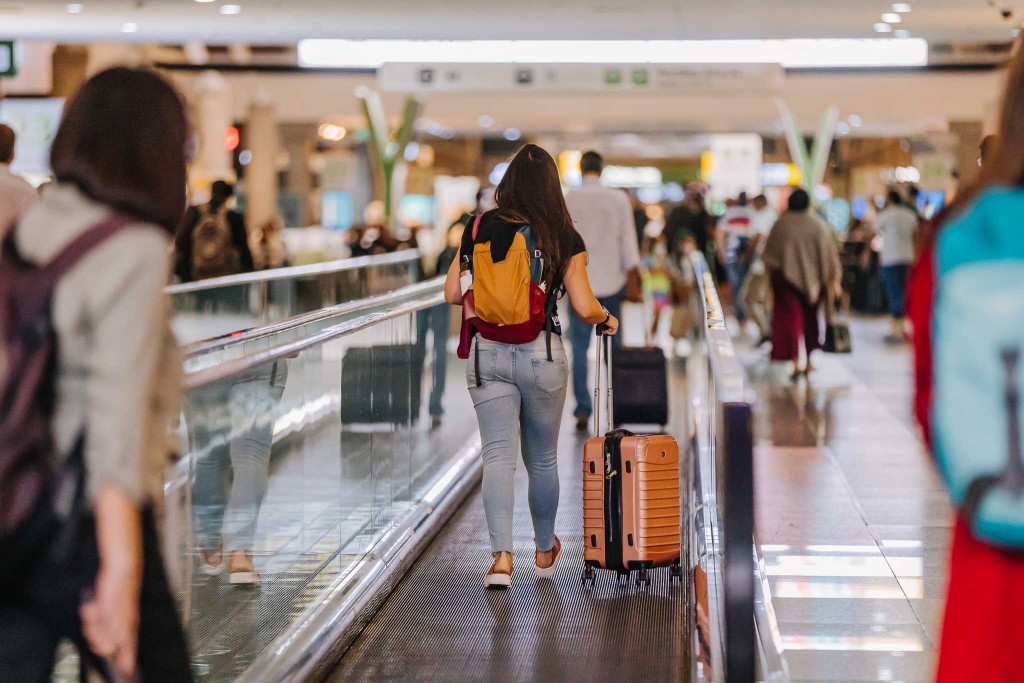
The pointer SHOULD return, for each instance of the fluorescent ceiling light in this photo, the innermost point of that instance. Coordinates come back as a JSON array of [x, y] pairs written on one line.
[[231, 9], [901, 33], [129, 27], [794, 54], [901, 7], [891, 18], [75, 8], [882, 27]]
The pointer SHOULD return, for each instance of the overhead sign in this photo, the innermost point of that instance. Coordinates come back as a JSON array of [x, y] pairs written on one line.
[[8, 67], [633, 78]]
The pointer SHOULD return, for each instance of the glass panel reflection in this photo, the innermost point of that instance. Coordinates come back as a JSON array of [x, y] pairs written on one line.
[[213, 308], [299, 466]]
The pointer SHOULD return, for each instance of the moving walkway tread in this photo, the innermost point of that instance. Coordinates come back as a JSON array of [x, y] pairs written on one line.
[[441, 625]]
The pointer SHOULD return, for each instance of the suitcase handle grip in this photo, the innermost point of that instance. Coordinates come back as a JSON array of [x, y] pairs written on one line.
[[604, 346]]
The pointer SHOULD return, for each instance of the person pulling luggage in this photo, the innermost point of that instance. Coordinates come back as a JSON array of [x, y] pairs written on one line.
[[604, 218], [514, 263]]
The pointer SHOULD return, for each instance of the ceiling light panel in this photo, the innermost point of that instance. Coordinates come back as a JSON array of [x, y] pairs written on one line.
[[798, 53]]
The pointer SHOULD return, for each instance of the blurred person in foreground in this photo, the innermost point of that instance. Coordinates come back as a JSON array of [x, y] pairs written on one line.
[[213, 240], [756, 291], [604, 218], [982, 633], [119, 162], [803, 264], [897, 224], [16, 195]]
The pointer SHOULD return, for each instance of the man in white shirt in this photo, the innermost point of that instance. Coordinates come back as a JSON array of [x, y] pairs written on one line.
[[604, 218], [897, 224], [756, 287], [16, 195]]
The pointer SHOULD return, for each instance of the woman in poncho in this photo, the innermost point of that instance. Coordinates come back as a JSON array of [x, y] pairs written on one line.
[[803, 264]]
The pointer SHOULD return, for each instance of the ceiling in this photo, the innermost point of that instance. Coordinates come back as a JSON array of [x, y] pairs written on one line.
[[277, 21]]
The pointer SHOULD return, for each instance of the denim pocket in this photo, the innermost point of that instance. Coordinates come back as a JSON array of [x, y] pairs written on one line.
[[488, 364], [550, 376]]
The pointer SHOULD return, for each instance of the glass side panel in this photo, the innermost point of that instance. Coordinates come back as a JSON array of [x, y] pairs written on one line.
[[218, 310], [302, 465]]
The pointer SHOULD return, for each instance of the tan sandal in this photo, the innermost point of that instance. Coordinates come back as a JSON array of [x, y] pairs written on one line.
[[496, 577], [548, 572]]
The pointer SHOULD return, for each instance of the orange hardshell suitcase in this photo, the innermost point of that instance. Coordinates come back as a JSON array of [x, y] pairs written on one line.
[[631, 502]]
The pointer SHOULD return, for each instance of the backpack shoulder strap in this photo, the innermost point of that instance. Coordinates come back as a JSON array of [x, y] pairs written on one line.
[[79, 247]]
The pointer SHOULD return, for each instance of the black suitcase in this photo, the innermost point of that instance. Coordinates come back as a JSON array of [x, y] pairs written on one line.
[[381, 384], [640, 376]]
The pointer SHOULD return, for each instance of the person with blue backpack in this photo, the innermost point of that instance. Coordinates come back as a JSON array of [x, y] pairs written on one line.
[[967, 309], [90, 381], [514, 263]]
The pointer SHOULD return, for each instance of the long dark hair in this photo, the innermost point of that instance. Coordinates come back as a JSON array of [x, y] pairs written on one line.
[[122, 142], [531, 193]]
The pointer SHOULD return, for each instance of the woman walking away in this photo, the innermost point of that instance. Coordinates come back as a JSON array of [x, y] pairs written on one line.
[[103, 228], [803, 264], [517, 258], [965, 306]]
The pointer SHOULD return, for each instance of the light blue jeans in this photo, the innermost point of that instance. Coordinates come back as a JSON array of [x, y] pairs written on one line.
[[521, 398]]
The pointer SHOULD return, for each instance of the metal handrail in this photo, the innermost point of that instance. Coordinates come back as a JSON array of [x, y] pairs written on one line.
[[326, 268], [724, 453], [218, 343], [431, 296]]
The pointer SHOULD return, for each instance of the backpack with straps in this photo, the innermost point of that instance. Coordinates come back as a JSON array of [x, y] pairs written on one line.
[[39, 489], [213, 251], [505, 297], [978, 339]]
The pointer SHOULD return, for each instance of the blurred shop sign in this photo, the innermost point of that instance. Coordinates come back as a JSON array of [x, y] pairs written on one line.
[[733, 165], [654, 78], [631, 176], [781, 175], [35, 122], [8, 67]]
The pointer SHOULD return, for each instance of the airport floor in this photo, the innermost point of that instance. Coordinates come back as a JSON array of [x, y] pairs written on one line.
[[852, 519]]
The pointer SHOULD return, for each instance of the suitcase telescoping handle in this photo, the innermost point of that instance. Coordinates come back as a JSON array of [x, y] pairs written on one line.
[[604, 346]]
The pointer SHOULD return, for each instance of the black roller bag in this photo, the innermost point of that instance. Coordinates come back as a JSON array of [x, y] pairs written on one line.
[[640, 376]]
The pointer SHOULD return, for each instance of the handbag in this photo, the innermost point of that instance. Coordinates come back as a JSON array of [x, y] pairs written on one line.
[[837, 331]]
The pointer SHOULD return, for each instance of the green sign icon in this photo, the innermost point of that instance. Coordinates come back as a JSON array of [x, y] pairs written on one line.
[[641, 77], [8, 68], [612, 76]]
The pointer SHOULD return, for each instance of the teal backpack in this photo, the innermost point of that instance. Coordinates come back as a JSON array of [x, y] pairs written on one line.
[[978, 342]]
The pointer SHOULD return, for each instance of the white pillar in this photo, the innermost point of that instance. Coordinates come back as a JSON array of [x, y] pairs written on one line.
[[213, 117], [261, 173]]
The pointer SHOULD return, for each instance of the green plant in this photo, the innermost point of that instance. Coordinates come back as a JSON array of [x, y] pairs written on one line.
[[388, 146]]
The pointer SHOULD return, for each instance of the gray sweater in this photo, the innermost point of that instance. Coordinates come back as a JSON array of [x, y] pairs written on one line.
[[119, 369]]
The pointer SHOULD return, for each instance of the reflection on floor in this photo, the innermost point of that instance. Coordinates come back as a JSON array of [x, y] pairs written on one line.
[[853, 521], [441, 625]]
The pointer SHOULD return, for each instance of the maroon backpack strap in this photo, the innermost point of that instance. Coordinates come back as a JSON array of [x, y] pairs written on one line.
[[79, 247]]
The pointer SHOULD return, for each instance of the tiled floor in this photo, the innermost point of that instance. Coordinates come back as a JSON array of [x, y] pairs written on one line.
[[852, 519]]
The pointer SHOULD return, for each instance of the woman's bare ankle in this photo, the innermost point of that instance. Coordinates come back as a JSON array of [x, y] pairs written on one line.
[[503, 561]]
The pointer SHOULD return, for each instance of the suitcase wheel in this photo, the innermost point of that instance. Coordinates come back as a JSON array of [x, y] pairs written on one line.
[[588, 575], [677, 573], [643, 577], [620, 576]]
